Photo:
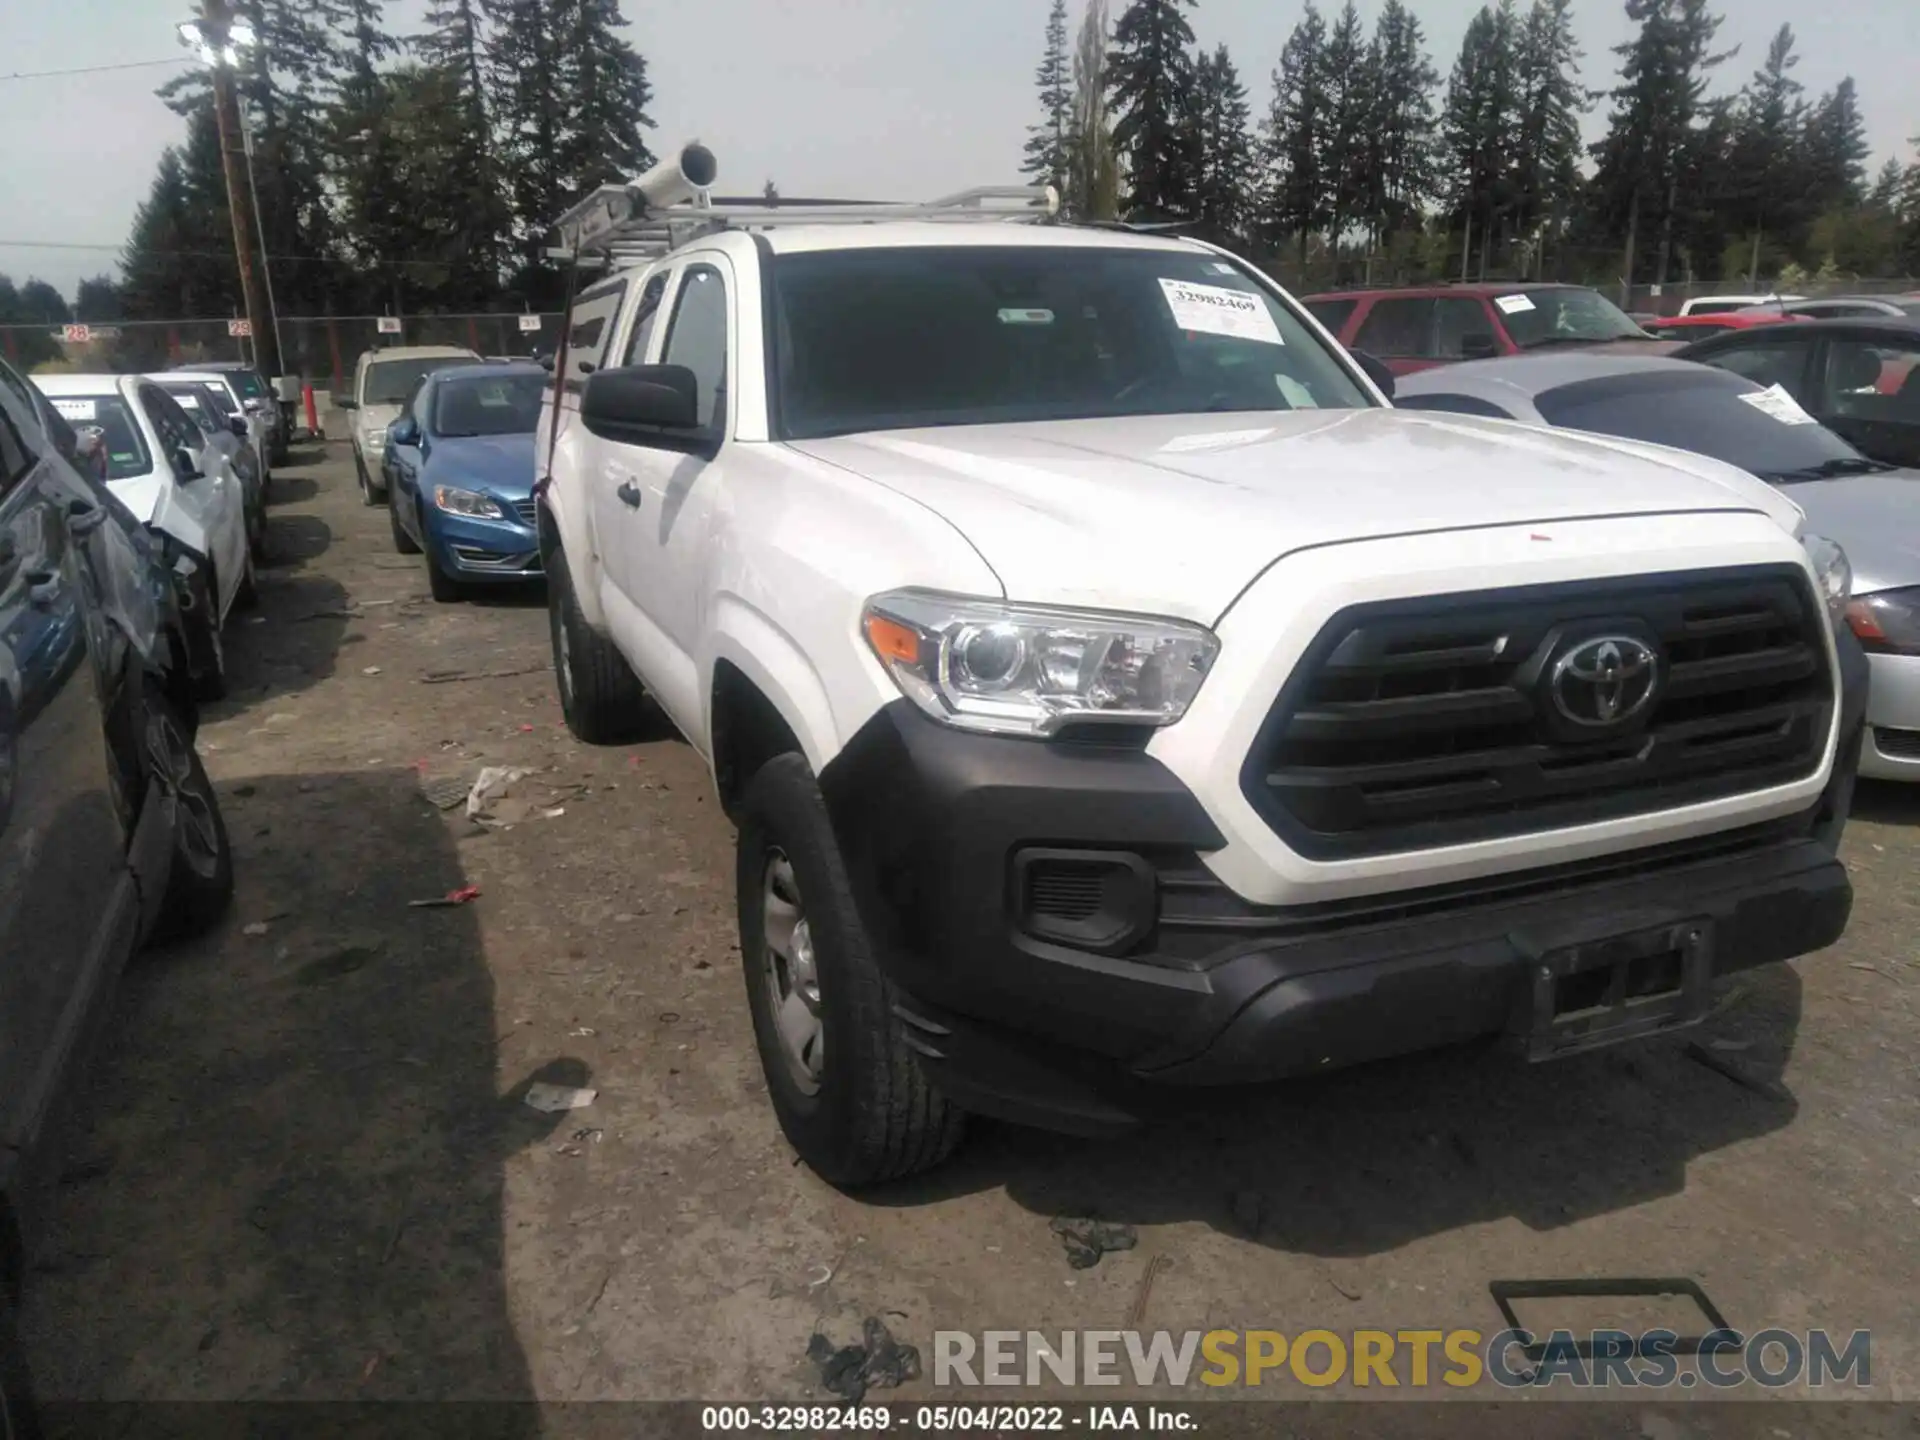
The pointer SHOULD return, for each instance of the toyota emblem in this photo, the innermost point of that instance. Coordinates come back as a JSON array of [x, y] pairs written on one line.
[[1605, 681]]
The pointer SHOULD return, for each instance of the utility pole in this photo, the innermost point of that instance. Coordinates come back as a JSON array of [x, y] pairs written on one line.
[[217, 48]]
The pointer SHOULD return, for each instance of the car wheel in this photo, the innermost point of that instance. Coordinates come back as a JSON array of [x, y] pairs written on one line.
[[209, 656], [370, 493], [849, 1092], [247, 597], [402, 541], [200, 879], [443, 586], [19, 1419], [257, 528], [600, 696]]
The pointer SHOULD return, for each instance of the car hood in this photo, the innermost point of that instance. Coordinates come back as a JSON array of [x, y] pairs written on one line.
[[1183, 511], [501, 464], [377, 417], [1874, 518]]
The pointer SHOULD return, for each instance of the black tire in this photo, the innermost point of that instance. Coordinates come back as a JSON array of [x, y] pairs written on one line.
[[19, 1419], [873, 1115], [600, 696], [443, 586], [210, 653], [200, 880], [371, 492], [402, 541]]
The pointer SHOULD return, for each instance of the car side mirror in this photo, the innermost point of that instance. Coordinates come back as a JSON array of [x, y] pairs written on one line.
[[1478, 346], [252, 406], [404, 431], [637, 403], [185, 469], [238, 426], [545, 362], [345, 402], [1377, 371]]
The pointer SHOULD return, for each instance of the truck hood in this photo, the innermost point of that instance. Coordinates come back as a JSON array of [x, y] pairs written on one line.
[[1874, 518], [1175, 514]]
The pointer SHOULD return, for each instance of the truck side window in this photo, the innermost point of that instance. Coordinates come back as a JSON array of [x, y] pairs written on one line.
[[587, 336], [643, 322], [698, 338]]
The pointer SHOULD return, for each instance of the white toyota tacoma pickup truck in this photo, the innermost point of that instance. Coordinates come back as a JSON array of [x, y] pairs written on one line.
[[1115, 695]]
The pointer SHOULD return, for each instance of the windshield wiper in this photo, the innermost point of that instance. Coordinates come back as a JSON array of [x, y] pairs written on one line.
[[1582, 340], [1831, 469]]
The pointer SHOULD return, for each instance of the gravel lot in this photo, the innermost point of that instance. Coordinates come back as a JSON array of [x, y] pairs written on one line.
[[305, 1171]]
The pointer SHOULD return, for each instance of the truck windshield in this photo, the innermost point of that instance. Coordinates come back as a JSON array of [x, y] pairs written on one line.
[[882, 339]]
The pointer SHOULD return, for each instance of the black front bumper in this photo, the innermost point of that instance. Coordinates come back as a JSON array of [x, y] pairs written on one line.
[[1062, 958]]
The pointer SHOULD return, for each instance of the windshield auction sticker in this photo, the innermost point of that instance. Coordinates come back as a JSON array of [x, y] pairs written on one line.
[[1775, 401], [1513, 304], [75, 409], [1211, 310]]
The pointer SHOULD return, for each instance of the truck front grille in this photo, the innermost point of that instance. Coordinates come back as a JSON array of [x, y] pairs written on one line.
[[1415, 723]]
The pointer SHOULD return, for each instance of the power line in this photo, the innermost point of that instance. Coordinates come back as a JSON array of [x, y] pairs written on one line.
[[216, 254], [96, 69]]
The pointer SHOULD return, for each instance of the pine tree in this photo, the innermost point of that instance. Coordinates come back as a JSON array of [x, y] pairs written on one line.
[[1223, 147], [1296, 201], [1550, 102], [178, 262], [1350, 110], [1399, 160], [378, 229], [453, 47], [41, 304], [99, 300], [1093, 172], [1885, 195], [1047, 142], [604, 83], [1150, 78], [522, 76], [1836, 148], [1481, 125], [1770, 190], [1652, 135]]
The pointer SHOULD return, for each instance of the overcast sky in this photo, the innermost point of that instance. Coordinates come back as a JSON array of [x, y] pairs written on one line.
[[876, 98]]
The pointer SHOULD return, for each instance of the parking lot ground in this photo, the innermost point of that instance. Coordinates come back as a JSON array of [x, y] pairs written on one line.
[[303, 1168]]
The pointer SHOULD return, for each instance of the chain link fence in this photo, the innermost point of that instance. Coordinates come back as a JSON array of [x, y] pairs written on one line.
[[320, 349]]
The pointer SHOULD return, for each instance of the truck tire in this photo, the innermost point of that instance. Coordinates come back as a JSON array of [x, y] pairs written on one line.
[[855, 1104], [18, 1418], [200, 879], [600, 696]]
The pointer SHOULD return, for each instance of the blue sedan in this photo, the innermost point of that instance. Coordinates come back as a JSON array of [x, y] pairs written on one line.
[[458, 468]]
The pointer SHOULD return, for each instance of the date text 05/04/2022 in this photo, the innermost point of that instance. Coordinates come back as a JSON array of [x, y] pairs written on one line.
[[1000, 1419]]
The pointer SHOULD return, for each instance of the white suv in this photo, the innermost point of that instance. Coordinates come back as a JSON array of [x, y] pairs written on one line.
[[1115, 694]]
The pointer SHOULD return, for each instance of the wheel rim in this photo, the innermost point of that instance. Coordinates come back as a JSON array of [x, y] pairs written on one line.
[[792, 975], [196, 830]]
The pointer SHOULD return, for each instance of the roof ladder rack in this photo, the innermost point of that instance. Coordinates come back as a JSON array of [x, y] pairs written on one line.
[[671, 205]]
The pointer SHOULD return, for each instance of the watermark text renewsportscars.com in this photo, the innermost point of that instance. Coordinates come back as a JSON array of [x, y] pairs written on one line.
[[1387, 1359]]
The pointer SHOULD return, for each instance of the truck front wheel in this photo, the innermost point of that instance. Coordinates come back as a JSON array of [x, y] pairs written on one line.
[[600, 696], [848, 1091]]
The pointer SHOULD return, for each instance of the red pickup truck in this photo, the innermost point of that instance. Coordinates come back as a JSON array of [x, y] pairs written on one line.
[[1423, 326]]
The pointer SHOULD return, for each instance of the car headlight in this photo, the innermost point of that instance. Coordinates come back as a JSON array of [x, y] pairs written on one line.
[[456, 501], [1833, 572], [1029, 670], [1888, 622], [376, 439]]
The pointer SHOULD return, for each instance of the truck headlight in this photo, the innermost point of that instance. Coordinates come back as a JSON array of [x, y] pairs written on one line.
[[1030, 670], [1833, 572], [455, 501]]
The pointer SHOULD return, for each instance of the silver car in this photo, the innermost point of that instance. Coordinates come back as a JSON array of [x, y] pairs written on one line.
[[1870, 509], [227, 434]]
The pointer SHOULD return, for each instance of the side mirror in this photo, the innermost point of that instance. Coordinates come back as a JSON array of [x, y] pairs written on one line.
[[238, 426], [1479, 346], [345, 402], [185, 469], [252, 406], [404, 431], [637, 402], [1377, 371], [545, 362]]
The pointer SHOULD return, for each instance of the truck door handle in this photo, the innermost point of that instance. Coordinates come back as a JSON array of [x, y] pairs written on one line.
[[84, 519], [629, 494], [43, 588]]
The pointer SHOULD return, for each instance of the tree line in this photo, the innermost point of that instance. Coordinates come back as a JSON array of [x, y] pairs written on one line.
[[1365, 165], [394, 173]]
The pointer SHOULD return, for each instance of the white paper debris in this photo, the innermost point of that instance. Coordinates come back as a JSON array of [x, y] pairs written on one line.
[[554, 1099], [1774, 401], [491, 784], [1513, 304], [1211, 310]]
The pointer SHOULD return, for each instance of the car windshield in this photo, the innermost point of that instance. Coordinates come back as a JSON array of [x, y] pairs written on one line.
[[1711, 413], [1535, 318], [251, 385], [199, 405], [108, 417], [390, 382], [878, 339], [487, 404], [216, 392]]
